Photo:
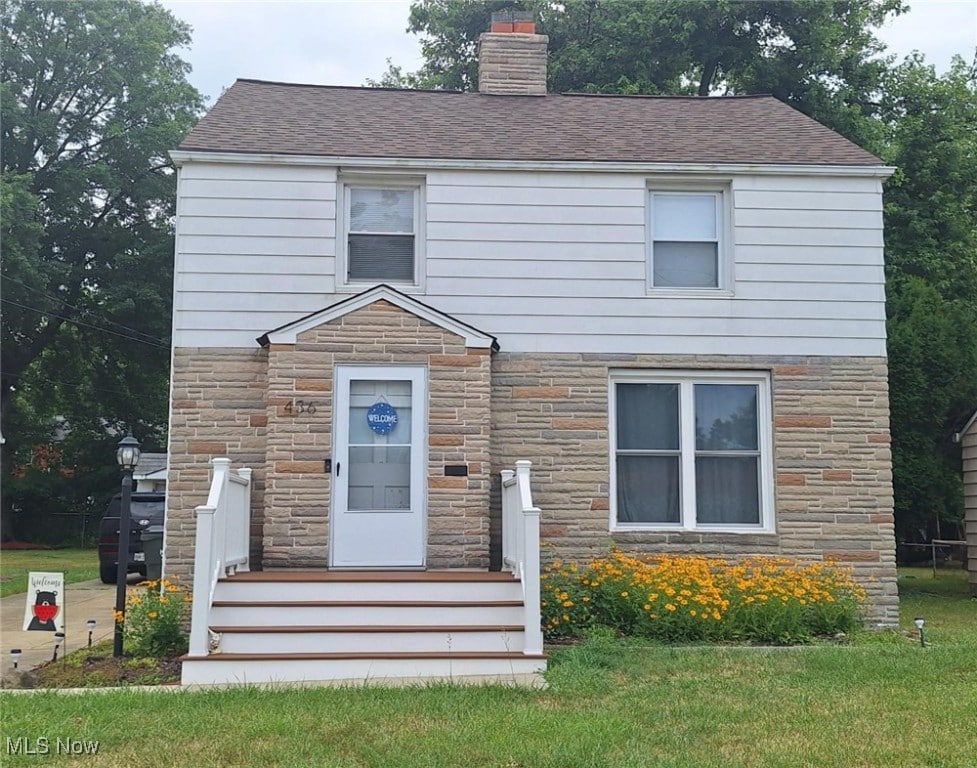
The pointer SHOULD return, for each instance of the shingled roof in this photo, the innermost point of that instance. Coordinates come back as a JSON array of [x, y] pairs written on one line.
[[255, 116]]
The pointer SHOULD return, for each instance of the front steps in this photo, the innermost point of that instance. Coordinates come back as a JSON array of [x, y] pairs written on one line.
[[349, 627]]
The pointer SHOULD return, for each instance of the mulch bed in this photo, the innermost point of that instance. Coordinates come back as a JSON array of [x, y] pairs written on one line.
[[98, 670]]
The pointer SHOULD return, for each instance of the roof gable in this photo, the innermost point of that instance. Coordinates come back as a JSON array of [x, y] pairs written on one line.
[[288, 334], [971, 423], [260, 117], [149, 464]]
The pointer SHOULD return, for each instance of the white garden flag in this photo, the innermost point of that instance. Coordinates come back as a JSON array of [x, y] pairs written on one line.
[[45, 602]]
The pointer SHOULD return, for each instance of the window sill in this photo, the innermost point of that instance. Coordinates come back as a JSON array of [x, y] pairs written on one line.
[[690, 293], [368, 284], [682, 529]]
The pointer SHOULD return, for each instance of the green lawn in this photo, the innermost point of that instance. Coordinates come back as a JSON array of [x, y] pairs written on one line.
[[881, 701], [77, 565], [943, 602]]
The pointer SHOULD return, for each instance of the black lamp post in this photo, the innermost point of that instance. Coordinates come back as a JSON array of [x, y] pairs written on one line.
[[128, 456]]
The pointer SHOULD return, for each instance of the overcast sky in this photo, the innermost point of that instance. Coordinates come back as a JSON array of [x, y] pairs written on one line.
[[344, 42]]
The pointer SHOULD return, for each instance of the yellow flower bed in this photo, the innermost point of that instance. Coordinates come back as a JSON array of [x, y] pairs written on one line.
[[688, 597], [155, 615]]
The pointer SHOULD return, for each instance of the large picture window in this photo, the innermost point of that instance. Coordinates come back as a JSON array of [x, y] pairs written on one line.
[[691, 450], [686, 239], [381, 227]]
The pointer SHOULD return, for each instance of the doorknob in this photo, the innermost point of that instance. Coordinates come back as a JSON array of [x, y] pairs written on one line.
[[337, 468]]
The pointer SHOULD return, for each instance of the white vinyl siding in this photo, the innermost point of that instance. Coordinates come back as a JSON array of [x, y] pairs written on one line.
[[252, 245], [691, 450], [548, 261]]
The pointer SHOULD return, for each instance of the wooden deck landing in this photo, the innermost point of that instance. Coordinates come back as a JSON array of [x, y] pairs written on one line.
[[316, 574]]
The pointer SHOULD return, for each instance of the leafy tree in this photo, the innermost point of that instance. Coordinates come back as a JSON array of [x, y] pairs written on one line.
[[93, 96], [933, 383], [824, 59], [931, 200], [931, 248], [821, 57]]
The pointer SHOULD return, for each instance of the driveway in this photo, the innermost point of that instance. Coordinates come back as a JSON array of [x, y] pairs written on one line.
[[82, 601]]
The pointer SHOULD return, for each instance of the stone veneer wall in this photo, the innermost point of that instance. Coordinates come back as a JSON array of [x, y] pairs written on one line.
[[831, 447], [833, 480], [297, 499], [512, 63], [218, 409]]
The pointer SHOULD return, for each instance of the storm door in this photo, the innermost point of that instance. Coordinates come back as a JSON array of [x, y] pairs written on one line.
[[378, 467]]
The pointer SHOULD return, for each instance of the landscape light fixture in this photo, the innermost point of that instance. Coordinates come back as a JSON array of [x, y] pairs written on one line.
[[15, 656], [90, 624], [58, 639], [127, 455], [918, 621]]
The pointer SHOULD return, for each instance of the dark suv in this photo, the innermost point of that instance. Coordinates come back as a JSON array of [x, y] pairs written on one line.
[[146, 526]]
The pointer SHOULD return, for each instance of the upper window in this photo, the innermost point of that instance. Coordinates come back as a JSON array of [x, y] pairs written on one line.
[[686, 242], [382, 242], [691, 451]]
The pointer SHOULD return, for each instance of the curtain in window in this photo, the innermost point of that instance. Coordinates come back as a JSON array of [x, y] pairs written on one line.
[[648, 475], [727, 465], [727, 490], [648, 489], [381, 257]]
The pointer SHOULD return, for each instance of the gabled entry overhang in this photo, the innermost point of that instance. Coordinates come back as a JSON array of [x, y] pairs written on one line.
[[288, 334]]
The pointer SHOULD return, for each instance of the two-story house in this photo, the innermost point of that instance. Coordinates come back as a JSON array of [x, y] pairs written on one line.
[[672, 307]]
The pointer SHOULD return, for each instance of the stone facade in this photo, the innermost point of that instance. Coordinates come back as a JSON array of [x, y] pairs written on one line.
[[832, 464], [218, 408], [831, 453], [512, 64], [297, 498]]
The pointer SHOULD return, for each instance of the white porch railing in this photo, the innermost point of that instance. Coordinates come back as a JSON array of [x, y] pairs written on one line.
[[520, 547], [222, 544]]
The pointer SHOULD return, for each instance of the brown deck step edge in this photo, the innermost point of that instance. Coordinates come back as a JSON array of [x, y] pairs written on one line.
[[367, 603], [365, 655], [381, 576], [371, 628]]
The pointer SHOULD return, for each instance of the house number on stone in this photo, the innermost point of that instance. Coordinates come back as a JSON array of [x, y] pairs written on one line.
[[300, 407]]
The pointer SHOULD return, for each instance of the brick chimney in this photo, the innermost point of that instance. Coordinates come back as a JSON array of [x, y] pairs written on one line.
[[512, 57]]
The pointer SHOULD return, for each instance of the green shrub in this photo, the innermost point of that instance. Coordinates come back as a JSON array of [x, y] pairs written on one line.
[[155, 616]]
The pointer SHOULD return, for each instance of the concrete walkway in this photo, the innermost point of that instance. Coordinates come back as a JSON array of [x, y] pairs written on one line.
[[82, 601]]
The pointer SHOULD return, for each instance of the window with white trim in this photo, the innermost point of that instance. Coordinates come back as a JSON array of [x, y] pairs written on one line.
[[686, 245], [382, 223], [691, 450]]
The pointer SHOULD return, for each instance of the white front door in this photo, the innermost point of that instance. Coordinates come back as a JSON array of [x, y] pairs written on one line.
[[378, 470]]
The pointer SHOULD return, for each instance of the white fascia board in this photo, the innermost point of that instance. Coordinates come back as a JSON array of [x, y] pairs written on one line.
[[969, 424], [420, 164], [148, 474], [288, 334], [161, 472]]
